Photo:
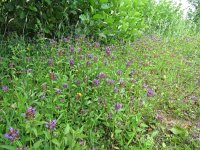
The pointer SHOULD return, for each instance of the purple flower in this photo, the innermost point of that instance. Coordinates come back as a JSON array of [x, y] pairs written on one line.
[[4, 88], [110, 82], [51, 124], [129, 63], [52, 76], [108, 50], [72, 49], [77, 81], [122, 82], [117, 106], [30, 112], [159, 117], [116, 90], [88, 63], [95, 82], [65, 85], [119, 72], [150, 92], [71, 62], [96, 44], [90, 56], [101, 75], [95, 58], [12, 135], [58, 91], [198, 125], [50, 62]]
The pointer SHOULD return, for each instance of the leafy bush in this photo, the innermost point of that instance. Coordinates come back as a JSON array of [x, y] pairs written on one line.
[[119, 19], [164, 18]]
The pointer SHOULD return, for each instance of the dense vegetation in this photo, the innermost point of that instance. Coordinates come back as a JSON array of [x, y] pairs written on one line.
[[106, 74]]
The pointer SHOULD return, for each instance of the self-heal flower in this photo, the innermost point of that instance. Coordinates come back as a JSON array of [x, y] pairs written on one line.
[[58, 91], [50, 62], [65, 85], [71, 62], [101, 75], [110, 82], [90, 56], [95, 82], [51, 124], [150, 92], [108, 50], [122, 82], [12, 135], [4, 88], [30, 112], [116, 90], [117, 106], [119, 72]]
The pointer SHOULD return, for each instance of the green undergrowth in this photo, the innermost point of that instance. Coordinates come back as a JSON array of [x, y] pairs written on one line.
[[139, 95]]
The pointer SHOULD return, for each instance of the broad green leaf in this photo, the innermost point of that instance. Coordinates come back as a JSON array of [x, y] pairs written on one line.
[[37, 144], [67, 129], [55, 141], [103, 1], [97, 16]]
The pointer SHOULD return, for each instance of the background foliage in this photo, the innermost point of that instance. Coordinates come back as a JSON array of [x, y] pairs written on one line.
[[125, 19]]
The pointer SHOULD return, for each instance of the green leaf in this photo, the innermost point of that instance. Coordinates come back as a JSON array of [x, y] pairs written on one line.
[[103, 1], [105, 6], [97, 16], [35, 131], [67, 129], [7, 147], [179, 131], [55, 141], [33, 8], [37, 144], [48, 2]]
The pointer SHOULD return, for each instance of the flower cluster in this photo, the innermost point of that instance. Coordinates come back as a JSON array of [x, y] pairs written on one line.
[[51, 124], [30, 112], [12, 135]]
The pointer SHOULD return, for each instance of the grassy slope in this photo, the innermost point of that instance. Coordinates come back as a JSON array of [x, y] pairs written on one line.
[[167, 120]]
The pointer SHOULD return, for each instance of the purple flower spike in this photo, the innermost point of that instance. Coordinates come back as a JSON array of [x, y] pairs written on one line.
[[4, 88], [159, 117], [77, 81], [51, 124], [116, 90], [150, 92], [110, 82], [101, 75], [95, 82], [71, 62], [65, 85], [117, 106], [88, 63], [198, 125], [108, 50], [119, 72], [12, 135], [50, 62], [72, 49], [122, 82], [90, 56], [58, 91], [30, 112]]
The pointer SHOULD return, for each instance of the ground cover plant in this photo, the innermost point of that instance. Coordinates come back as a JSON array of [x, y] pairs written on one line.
[[81, 94]]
